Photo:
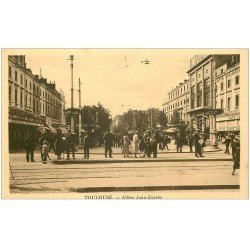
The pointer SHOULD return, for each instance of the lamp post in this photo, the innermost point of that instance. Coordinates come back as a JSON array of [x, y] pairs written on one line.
[[80, 116], [72, 92]]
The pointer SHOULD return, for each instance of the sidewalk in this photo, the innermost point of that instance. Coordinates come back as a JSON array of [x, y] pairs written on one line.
[[97, 156]]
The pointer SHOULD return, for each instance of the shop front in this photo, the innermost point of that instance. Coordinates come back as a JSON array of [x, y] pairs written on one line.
[[227, 124], [21, 123]]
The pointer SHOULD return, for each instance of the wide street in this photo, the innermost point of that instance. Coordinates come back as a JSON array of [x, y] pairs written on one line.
[[174, 172]]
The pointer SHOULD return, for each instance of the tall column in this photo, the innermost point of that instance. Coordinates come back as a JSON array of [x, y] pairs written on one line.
[[80, 116], [72, 93]]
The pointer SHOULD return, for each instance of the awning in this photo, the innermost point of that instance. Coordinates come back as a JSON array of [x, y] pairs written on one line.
[[64, 130], [171, 130], [52, 130]]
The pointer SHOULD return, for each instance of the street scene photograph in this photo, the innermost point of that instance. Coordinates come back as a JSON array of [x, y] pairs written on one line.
[[124, 123]]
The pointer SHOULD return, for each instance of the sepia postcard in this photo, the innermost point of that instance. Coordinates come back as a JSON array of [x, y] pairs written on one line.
[[125, 123]]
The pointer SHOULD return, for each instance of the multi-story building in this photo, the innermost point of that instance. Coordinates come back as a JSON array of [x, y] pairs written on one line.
[[27, 102], [228, 96], [177, 100], [211, 100], [202, 77]]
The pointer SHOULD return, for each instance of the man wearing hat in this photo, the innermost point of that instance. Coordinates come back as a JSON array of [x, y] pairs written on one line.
[[236, 152], [70, 144]]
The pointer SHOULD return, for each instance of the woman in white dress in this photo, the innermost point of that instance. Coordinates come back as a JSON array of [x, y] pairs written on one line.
[[135, 144]]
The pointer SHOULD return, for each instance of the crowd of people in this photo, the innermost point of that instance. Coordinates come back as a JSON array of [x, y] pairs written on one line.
[[132, 144]]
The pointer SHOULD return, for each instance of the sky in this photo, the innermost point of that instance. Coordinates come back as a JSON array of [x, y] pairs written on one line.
[[105, 77]]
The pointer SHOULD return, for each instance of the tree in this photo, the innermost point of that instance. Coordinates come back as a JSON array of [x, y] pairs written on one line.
[[176, 117], [140, 120]]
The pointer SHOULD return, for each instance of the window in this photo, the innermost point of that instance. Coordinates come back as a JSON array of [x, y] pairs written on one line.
[[221, 86], [30, 101], [199, 95], [229, 102], [21, 79], [26, 83], [21, 98], [15, 96], [221, 104], [221, 71], [207, 98], [30, 85], [10, 72], [237, 80], [25, 100], [9, 93], [237, 101], [15, 75], [229, 83]]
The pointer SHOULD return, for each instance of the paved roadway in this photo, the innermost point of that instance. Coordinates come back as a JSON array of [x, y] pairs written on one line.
[[152, 176]]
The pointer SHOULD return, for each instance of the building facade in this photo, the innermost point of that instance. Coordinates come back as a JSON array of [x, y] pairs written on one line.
[[178, 100], [228, 96], [211, 98], [204, 107], [27, 102]]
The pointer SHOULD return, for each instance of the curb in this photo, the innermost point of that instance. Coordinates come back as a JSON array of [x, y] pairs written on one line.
[[152, 188], [64, 162]]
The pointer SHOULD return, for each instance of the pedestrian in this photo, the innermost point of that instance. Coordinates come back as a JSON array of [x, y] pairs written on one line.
[[142, 148], [197, 144], [227, 143], [178, 142], [70, 145], [135, 144], [45, 151], [190, 142], [108, 142], [42, 139], [125, 148], [30, 145], [236, 152], [165, 141], [154, 139], [86, 145], [58, 144]]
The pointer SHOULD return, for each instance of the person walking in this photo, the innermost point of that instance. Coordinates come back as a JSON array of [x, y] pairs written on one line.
[[125, 148], [179, 143], [86, 145], [197, 144], [30, 145], [236, 152], [227, 143], [135, 144], [190, 142], [165, 141], [108, 143], [58, 144], [70, 145], [45, 151]]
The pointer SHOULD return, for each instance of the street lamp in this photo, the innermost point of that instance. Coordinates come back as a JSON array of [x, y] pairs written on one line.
[[72, 92], [80, 117]]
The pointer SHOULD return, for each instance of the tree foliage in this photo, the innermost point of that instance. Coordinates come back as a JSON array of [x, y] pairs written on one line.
[[139, 120], [92, 116]]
